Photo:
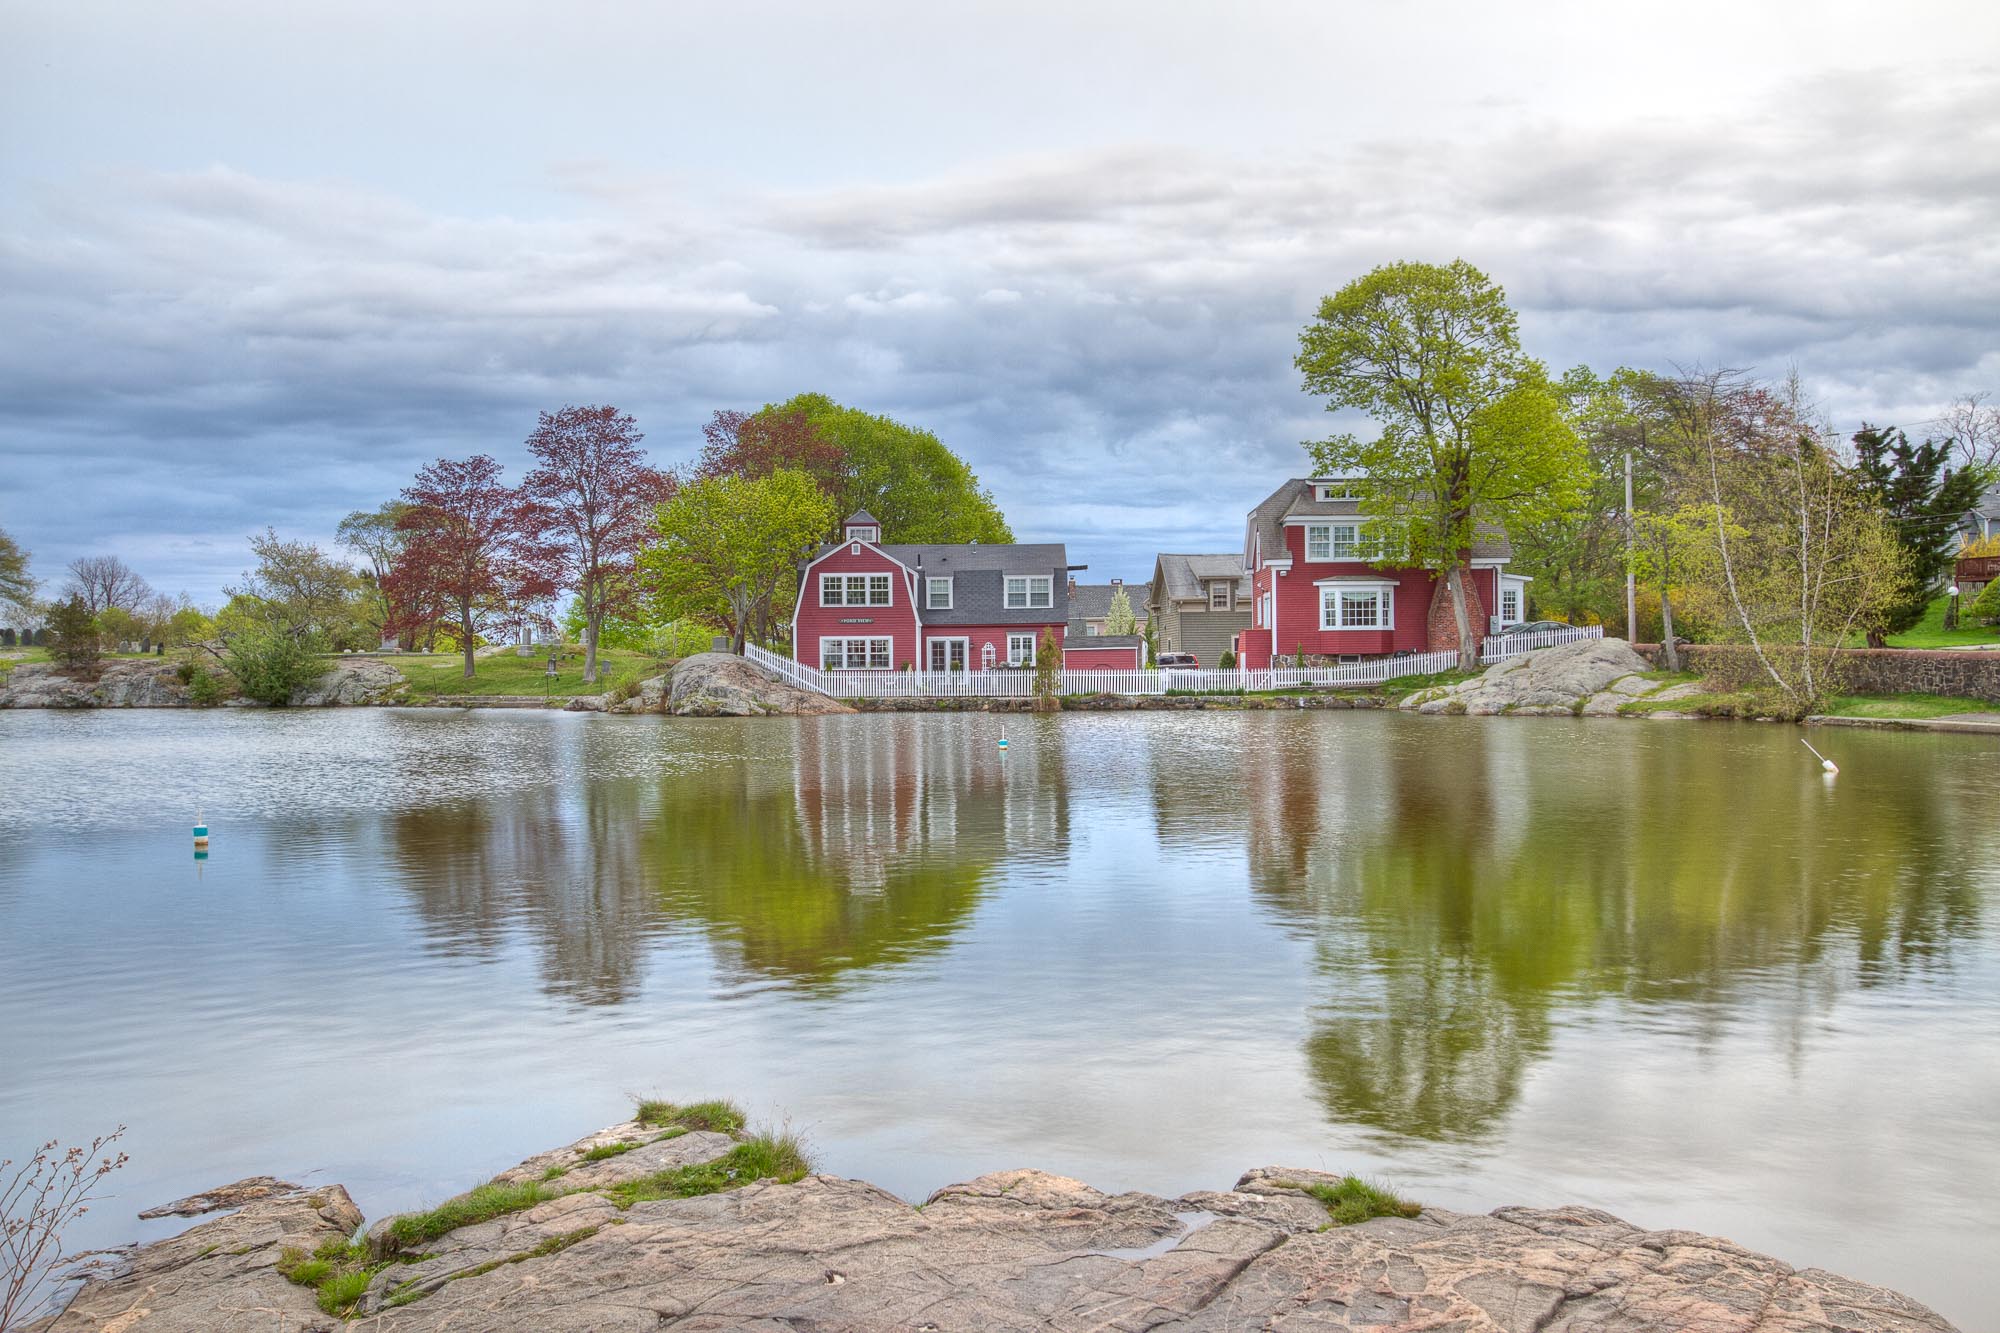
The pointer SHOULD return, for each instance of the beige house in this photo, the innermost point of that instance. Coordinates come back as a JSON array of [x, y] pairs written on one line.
[[1199, 604], [1090, 603]]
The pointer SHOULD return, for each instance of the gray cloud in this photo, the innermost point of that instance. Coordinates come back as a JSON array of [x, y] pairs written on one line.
[[1106, 334]]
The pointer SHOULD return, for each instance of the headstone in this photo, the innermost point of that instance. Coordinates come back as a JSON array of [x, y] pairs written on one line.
[[6, 638], [525, 645], [719, 644]]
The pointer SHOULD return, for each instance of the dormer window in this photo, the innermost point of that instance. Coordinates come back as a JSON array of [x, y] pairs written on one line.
[[862, 534], [862, 526], [1341, 488]]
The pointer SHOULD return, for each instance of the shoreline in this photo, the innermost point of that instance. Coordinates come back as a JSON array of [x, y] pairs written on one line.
[[680, 1217]]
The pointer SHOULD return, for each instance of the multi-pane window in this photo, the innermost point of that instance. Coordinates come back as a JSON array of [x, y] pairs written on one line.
[[1029, 590], [1510, 605], [854, 589], [937, 594], [1218, 596], [1339, 541], [1369, 606], [1020, 650], [871, 654]]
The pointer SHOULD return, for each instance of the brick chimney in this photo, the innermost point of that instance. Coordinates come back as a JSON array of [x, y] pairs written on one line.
[[1072, 585], [1441, 628]]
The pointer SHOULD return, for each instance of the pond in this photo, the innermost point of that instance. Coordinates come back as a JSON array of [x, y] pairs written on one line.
[[1666, 970]]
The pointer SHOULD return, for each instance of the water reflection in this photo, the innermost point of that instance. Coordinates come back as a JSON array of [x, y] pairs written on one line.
[[1459, 902]]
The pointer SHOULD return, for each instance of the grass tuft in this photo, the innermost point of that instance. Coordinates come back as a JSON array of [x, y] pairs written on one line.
[[488, 1201], [338, 1293], [723, 1117], [605, 1151], [1352, 1199], [338, 1268], [768, 1156]]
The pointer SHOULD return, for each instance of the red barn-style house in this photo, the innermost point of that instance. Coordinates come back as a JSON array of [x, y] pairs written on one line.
[[865, 605], [1313, 589]]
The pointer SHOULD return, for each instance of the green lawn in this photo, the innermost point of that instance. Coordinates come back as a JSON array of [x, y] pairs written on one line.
[[1931, 633], [1904, 705], [507, 673]]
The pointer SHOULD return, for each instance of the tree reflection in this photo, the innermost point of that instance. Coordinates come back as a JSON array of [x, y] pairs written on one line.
[[1466, 890]]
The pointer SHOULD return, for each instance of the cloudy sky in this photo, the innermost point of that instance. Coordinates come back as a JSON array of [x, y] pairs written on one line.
[[258, 262]]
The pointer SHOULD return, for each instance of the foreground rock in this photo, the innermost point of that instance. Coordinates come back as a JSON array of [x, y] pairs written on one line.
[[1591, 677], [724, 685], [152, 682], [1011, 1250]]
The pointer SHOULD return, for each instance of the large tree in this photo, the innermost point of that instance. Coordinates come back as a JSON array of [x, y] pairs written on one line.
[[377, 535], [743, 444], [458, 563], [303, 592], [17, 586], [104, 581], [589, 506], [729, 547], [1923, 499], [903, 475], [1470, 429]]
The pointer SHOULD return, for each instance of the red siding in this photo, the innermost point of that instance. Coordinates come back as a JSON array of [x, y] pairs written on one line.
[[812, 622], [1298, 608], [978, 636], [1128, 658]]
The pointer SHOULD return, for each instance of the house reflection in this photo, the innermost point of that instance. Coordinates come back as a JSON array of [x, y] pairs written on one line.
[[806, 854]]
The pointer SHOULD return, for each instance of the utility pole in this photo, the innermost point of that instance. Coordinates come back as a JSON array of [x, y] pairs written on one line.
[[1631, 584]]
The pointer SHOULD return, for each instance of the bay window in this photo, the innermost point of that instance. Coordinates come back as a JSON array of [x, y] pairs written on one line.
[[1357, 606]]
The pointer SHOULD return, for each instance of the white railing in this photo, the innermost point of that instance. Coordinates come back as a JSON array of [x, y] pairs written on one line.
[[1020, 684], [1505, 645]]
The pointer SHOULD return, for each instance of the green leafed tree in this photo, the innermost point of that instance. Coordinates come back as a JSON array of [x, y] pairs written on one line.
[[72, 631], [1922, 499], [1470, 430], [903, 475], [17, 588], [1118, 617], [729, 548]]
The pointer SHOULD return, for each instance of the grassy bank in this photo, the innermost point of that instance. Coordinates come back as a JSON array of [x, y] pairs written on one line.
[[1931, 633], [507, 673]]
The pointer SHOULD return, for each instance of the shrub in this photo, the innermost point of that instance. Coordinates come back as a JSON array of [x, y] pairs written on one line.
[[37, 1202], [72, 634], [271, 665], [204, 687], [1228, 662], [1986, 606]]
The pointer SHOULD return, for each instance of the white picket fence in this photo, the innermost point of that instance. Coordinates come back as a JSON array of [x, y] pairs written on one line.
[[1020, 684]]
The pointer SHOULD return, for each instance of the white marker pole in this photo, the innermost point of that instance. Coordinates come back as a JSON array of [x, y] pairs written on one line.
[[1824, 762]]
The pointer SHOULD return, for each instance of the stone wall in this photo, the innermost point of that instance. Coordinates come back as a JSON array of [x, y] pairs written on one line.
[[1960, 675]]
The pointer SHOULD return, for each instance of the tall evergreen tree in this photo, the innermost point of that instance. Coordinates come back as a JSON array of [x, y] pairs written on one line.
[[1923, 500]]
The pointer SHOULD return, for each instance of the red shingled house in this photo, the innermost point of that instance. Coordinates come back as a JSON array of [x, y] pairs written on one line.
[[1313, 589], [869, 606]]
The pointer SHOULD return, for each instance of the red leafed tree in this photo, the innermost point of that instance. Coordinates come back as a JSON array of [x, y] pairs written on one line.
[[588, 507], [459, 564], [739, 444]]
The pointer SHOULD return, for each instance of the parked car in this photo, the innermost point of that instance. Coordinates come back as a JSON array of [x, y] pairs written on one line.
[[1179, 662], [1533, 627]]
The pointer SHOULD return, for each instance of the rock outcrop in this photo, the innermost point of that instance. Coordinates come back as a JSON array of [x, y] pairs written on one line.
[[361, 681], [1592, 677], [1011, 1250], [152, 682], [724, 685]]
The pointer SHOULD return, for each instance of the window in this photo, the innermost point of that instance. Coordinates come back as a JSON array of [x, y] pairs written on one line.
[[1218, 596], [854, 589], [864, 534], [937, 594], [1029, 590], [1021, 648], [1510, 605], [1092, 630], [1357, 606], [1340, 541], [854, 654], [1342, 489]]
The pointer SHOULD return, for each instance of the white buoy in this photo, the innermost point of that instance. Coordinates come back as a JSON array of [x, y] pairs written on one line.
[[1824, 762]]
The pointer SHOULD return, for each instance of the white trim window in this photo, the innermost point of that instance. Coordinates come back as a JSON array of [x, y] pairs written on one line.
[[1218, 595], [1028, 591], [864, 534], [1357, 606], [1510, 604], [869, 654], [855, 590], [1341, 488], [937, 594], [1020, 650], [1341, 541]]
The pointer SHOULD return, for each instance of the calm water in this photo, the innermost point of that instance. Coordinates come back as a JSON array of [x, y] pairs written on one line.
[[1666, 970]]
